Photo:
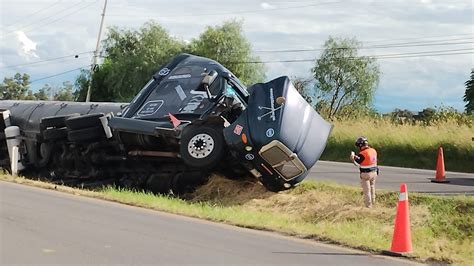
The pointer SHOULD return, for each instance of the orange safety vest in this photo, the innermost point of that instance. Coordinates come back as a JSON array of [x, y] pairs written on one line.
[[370, 158]]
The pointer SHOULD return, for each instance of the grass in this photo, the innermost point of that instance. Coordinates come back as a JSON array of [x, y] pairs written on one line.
[[405, 145], [442, 227]]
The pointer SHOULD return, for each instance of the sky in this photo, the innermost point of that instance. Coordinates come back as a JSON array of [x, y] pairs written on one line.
[[425, 48]]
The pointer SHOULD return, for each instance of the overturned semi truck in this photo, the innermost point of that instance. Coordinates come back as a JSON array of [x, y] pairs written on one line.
[[192, 118]]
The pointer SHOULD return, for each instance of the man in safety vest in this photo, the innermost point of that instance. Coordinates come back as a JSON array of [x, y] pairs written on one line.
[[367, 162]]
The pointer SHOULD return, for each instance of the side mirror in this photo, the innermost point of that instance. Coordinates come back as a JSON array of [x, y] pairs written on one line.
[[208, 80]]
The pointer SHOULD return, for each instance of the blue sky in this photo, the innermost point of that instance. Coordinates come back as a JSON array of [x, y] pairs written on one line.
[[37, 30]]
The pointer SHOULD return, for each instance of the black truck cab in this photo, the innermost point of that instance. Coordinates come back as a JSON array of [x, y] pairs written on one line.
[[193, 115]]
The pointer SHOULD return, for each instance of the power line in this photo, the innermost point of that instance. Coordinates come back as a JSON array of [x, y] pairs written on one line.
[[53, 21], [60, 18], [35, 22], [42, 64], [59, 74], [235, 12], [47, 60], [261, 51], [423, 37], [389, 45], [33, 14], [428, 42], [416, 45], [73, 56], [364, 47], [425, 55], [387, 56], [426, 52]]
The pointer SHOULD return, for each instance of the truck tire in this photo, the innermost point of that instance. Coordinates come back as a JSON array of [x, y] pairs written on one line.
[[84, 121], [42, 155], [202, 146], [55, 121], [159, 183], [89, 133], [54, 133], [187, 182]]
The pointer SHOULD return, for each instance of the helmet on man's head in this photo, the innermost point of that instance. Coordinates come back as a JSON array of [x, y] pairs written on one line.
[[361, 141]]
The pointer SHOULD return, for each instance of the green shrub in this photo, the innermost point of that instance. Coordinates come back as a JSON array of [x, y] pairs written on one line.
[[407, 145]]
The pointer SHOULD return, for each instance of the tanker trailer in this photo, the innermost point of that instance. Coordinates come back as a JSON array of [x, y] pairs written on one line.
[[192, 118]]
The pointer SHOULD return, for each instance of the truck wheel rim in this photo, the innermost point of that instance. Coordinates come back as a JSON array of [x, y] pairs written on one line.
[[200, 146]]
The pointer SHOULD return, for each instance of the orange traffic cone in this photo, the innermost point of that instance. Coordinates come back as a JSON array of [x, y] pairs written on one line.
[[440, 172], [401, 241]]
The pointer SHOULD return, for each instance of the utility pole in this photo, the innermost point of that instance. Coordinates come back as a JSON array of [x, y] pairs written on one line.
[[96, 52]]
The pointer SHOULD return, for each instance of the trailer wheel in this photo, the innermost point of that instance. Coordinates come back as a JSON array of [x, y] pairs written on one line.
[[84, 121], [187, 182], [202, 146], [55, 121], [54, 133], [88, 133], [159, 183], [42, 155]]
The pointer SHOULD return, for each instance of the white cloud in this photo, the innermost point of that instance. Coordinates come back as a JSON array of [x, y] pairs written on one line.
[[425, 1], [28, 47], [266, 5], [412, 83]]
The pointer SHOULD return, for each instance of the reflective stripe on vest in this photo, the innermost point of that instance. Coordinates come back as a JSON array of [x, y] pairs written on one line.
[[370, 158]]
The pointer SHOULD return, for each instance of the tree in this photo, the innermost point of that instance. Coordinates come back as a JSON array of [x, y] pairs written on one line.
[[227, 45], [346, 81], [43, 93], [29, 96], [427, 114], [131, 58], [402, 113], [15, 88], [302, 86], [469, 94], [65, 93]]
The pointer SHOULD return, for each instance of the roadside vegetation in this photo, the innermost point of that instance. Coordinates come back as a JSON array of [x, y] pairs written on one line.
[[410, 144], [442, 227], [341, 88]]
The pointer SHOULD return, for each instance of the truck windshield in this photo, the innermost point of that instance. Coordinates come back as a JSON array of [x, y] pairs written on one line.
[[141, 91], [135, 99], [232, 91], [239, 86]]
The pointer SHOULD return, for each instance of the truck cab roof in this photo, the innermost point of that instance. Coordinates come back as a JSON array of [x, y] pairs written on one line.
[[177, 89]]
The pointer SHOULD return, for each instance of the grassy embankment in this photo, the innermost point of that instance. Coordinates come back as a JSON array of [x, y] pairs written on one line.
[[442, 227], [412, 146]]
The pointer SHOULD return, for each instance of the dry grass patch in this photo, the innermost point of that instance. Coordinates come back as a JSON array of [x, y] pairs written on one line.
[[442, 227]]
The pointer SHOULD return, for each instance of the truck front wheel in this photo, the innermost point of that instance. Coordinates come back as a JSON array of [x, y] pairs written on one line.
[[202, 146]]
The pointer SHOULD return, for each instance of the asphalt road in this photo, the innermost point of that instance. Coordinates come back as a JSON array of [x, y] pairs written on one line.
[[417, 180], [44, 227]]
